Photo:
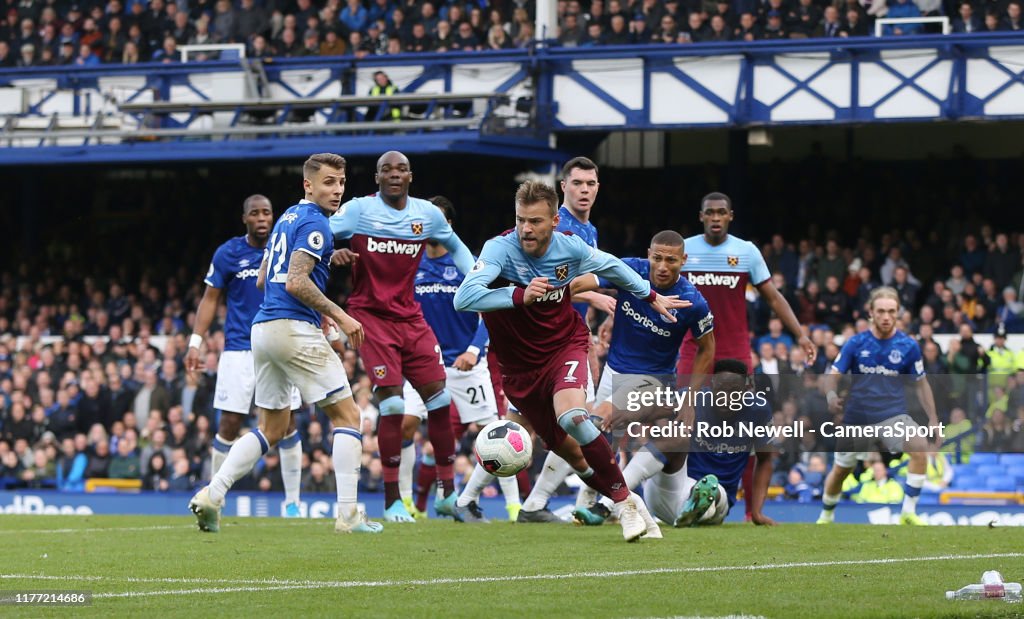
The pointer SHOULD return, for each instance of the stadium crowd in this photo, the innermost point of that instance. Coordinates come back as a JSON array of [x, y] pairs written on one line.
[[86, 392], [87, 33]]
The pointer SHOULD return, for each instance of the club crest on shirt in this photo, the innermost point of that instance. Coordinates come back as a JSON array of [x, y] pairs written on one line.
[[732, 260], [380, 371], [562, 272], [417, 227], [895, 356], [450, 273]]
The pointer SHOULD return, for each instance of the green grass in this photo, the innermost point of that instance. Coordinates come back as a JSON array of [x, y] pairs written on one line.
[[214, 575]]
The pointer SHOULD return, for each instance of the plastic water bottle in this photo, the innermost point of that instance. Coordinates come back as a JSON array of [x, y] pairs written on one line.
[[992, 587]]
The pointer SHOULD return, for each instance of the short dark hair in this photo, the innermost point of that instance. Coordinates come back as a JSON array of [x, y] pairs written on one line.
[[252, 199], [731, 366], [715, 195], [668, 237], [445, 205], [532, 192], [583, 163], [319, 160]]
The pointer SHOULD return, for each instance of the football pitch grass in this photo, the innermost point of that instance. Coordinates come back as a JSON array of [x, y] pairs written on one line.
[[163, 566]]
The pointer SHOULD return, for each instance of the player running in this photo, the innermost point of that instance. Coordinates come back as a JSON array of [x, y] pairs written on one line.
[[520, 282], [716, 465], [387, 231], [232, 276], [290, 350], [878, 358], [579, 186], [463, 338]]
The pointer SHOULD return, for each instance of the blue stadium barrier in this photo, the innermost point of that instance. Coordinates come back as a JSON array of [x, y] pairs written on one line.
[[322, 506]]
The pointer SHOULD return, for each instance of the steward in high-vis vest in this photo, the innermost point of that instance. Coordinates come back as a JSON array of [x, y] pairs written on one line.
[[382, 87]]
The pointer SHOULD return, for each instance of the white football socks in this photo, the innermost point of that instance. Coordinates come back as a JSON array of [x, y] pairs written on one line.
[[291, 467], [551, 477], [405, 469], [348, 451], [243, 456]]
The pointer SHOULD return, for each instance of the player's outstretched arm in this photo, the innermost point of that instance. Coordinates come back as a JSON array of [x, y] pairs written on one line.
[[300, 286], [204, 318], [619, 273], [785, 313], [446, 236], [475, 294], [762, 477]]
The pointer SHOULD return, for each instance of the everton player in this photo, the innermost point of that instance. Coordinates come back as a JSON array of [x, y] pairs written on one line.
[[387, 232], [879, 358], [645, 344], [232, 276], [716, 465], [290, 350], [521, 283]]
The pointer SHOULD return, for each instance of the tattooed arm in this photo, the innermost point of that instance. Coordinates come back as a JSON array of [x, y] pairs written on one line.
[[300, 286]]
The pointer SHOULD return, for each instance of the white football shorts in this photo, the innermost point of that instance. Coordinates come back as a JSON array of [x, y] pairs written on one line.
[[236, 383], [471, 391], [294, 354]]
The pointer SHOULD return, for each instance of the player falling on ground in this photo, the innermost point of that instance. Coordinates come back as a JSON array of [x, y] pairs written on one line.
[[463, 338], [879, 359], [522, 283], [721, 266], [232, 276], [707, 491], [387, 231], [580, 187], [290, 350], [643, 343]]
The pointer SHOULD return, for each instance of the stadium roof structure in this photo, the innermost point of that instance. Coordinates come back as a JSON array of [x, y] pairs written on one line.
[[509, 103]]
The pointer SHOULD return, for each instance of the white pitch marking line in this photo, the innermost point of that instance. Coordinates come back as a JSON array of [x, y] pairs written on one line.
[[271, 586], [182, 527]]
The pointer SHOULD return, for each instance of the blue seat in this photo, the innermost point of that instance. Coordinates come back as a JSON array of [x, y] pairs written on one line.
[[1002, 484], [1015, 471], [928, 498], [1012, 460], [965, 469], [969, 482], [991, 470], [979, 459]]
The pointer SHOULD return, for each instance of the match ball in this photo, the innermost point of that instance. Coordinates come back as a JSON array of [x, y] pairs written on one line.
[[503, 448]]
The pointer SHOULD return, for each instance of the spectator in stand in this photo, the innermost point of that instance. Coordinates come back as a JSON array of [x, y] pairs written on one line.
[[973, 256], [1013, 22], [997, 433], [1011, 312], [1002, 261], [125, 464], [465, 40], [879, 488], [908, 290], [332, 45], [71, 467], [618, 32], [902, 9], [831, 26], [748, 30], [443, 37], [355, 16], [967, 22]]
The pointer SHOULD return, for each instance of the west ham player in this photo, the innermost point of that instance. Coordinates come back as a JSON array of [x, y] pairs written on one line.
[[715, 466], [290, 350], [879, 358], [579, 187], [387, 231], [463, 338], [232, 276], [521, 282], [645, 344], [721, 265]]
